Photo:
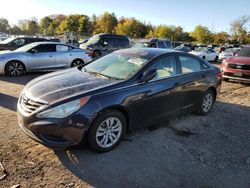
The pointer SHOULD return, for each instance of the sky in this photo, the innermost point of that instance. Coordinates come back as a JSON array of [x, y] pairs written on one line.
[[215, 14]]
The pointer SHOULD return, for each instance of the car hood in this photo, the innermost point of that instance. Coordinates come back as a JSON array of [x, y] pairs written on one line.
[[61, 85], [239, 59]]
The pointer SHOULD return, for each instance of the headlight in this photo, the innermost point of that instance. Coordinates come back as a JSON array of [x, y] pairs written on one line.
[[224, 62], [64, 110]]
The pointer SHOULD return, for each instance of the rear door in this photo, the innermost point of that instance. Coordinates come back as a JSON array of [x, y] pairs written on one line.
[[160, 96], [64, 56], [193, 81], [42, 57]]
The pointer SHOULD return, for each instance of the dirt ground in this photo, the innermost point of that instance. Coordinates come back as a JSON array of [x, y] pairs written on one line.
[[190, 151]]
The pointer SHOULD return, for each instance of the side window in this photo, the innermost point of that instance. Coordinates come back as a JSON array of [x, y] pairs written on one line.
[[152, 45], [19, 42], [62, 48], [189, 64], [161, 44], [45, 48], [165, 67]]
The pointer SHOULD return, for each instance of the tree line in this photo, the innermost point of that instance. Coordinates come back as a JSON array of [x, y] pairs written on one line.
[[83, 25]]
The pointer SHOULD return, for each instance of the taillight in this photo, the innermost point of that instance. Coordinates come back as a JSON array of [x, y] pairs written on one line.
[[219, 75]]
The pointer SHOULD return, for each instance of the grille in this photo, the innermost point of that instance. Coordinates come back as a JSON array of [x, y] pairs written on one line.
[[238, 66], [29, 105]]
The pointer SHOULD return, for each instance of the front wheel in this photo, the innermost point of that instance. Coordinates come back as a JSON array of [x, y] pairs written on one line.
[[207, 103], [107, 131], [14, 68], [216, 58]]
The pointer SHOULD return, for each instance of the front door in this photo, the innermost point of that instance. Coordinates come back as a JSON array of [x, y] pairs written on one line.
[[42, 57], [160, 96]]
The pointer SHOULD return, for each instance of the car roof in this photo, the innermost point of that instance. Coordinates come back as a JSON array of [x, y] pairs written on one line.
[[47, 42], [153, 40], [111, 35], [151, 52]]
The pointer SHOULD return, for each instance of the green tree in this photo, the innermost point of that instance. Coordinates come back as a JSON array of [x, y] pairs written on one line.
[[4, 25], [15, 30], [78, 24], [105, 23], [32, 28], [131, 27], [46, 26], [202, 34]]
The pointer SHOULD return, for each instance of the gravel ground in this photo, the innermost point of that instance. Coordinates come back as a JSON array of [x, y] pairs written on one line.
[[189, 151]]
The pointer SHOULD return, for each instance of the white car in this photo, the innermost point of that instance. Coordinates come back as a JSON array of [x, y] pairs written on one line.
[[41, 56], [206, 53], [228, 53]]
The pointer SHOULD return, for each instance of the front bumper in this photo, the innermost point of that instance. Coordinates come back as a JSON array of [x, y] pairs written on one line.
[[54, 132], [235, 74]]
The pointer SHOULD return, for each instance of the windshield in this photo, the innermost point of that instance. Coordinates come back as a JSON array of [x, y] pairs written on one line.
[[6, 41], [93, 40], [26, 47], [245, 52], [117, 65], [201, 49]]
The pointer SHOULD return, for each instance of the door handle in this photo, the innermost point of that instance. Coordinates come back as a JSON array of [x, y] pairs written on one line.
[[50, 55], [70, 54]]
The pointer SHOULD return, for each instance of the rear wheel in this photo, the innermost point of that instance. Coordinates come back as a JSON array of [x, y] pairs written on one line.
[[207, 103], [77, 62], [97, 53], [107, 131], [14, 68]]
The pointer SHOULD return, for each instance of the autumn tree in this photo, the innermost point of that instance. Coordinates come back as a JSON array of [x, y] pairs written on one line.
[[221, 38], [105, 23], [131, 27], [202, 34]]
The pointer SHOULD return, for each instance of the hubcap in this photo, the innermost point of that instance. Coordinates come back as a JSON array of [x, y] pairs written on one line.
[[207, 102], [108, 132], [16, 69]]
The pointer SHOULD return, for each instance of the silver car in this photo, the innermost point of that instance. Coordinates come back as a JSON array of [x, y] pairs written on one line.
[[41, 56]]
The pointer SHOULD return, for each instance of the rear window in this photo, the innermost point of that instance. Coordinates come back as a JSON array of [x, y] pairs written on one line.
[[189, 64]]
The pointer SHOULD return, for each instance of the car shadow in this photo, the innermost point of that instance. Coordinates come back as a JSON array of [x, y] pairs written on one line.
[[9, 102], [22, 80], [164, 157]]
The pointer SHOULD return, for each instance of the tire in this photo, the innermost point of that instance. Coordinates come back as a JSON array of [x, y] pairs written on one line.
[[77, 62], [15, 68], [106, 129], [203, 57], [216, 58], [206, 104], [97, 53]]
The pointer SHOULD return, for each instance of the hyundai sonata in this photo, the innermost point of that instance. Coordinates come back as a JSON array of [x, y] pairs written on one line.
[[126, 90]]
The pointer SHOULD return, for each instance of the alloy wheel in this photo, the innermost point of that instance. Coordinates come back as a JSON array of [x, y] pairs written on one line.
[[207, 102], [109, 132], [15, 69]]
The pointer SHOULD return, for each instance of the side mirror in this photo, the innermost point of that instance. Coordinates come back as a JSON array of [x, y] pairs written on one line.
[[33, 51], [147, 75]]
